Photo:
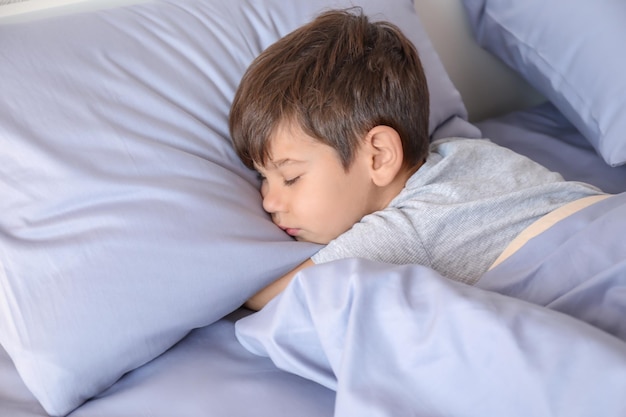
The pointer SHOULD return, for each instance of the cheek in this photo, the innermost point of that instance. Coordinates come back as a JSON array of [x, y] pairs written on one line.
[[354, 198], [336, 211], [318, 207], [264, 187]]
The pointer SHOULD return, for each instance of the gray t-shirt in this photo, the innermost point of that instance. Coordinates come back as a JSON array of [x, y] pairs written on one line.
[[459, 211]]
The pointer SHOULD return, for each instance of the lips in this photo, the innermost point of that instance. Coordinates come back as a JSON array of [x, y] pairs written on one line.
[[291, 231]]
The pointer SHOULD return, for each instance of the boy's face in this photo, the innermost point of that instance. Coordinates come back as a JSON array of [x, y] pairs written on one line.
[[307, 191]]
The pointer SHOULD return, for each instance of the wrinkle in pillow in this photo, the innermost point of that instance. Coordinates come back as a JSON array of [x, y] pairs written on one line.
[[572, 51], [126, 219]]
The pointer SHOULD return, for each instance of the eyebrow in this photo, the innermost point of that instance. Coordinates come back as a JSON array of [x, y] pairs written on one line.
[[278, 164], [285, 161]]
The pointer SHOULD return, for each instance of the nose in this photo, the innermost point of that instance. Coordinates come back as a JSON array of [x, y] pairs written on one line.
[[273, 201]]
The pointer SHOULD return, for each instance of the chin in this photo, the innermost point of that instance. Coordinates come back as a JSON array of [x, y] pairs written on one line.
[[318, 241]]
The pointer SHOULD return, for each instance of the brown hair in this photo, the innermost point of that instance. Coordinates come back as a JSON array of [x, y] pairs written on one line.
[[335, 78]]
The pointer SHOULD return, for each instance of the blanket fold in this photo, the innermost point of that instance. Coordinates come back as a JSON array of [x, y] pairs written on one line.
[[542, 334]]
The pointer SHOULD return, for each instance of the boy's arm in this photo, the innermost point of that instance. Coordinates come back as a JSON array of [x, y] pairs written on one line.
[[258, 300]]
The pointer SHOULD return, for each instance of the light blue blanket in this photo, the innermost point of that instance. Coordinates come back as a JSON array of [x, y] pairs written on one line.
[[404, 341]]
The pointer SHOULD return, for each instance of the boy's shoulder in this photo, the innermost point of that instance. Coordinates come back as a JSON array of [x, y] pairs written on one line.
[[471, 149], [462, 142], [457, 160]]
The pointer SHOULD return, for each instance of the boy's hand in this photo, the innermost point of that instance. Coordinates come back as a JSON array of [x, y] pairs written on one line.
[[261, 298]]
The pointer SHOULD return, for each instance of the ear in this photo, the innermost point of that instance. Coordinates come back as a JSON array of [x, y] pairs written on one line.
[[383, 148]]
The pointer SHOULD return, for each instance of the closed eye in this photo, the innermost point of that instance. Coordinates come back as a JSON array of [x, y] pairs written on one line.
[[291, 181]]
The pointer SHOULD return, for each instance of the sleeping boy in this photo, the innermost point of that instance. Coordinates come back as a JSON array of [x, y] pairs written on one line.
[[334, 117]]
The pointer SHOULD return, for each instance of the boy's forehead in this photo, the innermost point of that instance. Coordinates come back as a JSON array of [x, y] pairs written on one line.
[[281, 150], [277, 165], [286, 140], [286, 146]]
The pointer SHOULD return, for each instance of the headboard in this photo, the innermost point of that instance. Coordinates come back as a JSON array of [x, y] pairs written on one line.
[[487, 86]]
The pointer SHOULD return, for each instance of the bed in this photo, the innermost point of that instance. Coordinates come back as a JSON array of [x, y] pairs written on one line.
[[130, 233]]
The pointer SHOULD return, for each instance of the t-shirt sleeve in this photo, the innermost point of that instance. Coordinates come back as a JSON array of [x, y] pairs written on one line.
[[385, 236]]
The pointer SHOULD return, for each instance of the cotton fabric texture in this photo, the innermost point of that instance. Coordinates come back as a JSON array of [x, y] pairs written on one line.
[[459, 211], [126, 218], [580, 71]]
